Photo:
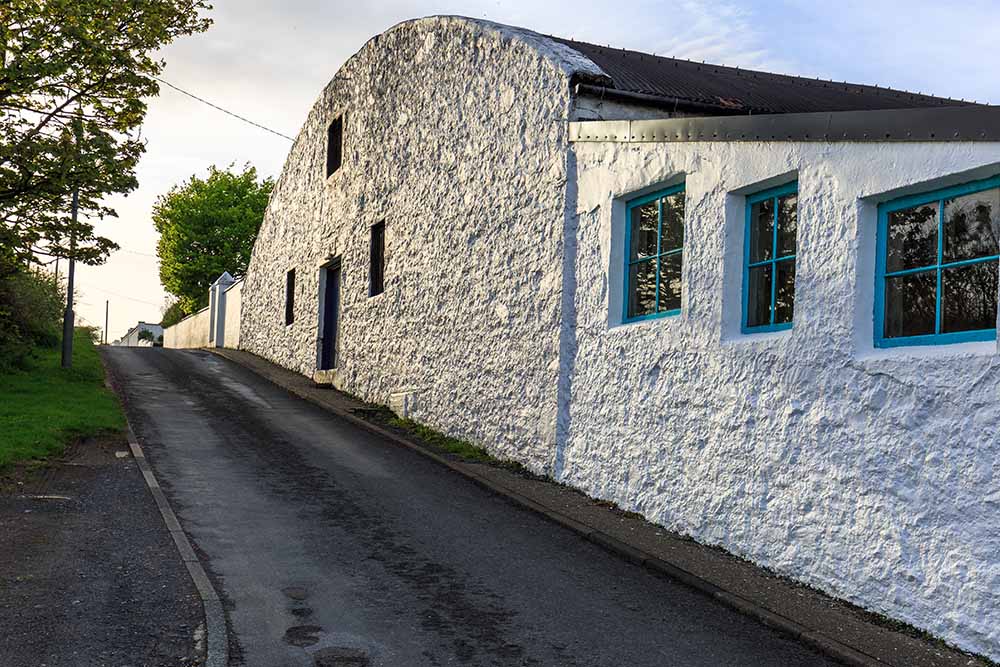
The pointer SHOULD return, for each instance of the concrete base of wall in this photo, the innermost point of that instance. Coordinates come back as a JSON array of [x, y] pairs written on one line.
[[329, 378]]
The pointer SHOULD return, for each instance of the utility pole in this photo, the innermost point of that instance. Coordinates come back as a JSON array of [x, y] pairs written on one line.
[[68, 316], [106, 302]]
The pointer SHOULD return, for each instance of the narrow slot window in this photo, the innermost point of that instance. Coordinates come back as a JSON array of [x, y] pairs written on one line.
[[376, 272], [334, 145], [290, 297]]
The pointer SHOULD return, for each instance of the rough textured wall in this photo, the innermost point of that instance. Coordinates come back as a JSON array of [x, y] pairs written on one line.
[[455, 136], [234, 304], [872, 474], [190, 332]]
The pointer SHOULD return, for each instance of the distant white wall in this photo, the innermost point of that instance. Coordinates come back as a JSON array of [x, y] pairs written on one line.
[[233, 302], [131, 339], [191, 332]]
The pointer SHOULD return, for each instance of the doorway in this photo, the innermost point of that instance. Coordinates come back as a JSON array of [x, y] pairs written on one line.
[[329, 315]]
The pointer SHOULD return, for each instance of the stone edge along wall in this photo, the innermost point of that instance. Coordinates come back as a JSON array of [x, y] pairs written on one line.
[[871, 474], [191, 332], [467, 331]]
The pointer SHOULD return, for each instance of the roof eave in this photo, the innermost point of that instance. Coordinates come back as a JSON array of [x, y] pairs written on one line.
[[936, 124]]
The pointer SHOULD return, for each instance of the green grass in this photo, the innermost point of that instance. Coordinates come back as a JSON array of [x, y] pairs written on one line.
[[460, 448], [431, 438], [46, 407]]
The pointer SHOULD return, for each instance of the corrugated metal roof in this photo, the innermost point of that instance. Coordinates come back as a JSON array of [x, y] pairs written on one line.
[[733, 90]]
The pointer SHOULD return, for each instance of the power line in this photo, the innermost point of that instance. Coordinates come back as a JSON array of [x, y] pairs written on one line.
[[225, 111], [136, 252], [122, 296]]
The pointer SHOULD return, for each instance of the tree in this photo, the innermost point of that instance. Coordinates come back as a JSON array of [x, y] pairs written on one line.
[[208, 226], [74, 75], [172, 314]]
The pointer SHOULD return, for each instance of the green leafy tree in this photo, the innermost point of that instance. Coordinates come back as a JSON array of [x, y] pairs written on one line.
[[74, 76], [207, 226], [172, 314]]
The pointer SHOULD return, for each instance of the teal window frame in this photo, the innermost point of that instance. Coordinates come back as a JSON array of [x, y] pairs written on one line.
[[660, 253], [881, 275], [772, 193]]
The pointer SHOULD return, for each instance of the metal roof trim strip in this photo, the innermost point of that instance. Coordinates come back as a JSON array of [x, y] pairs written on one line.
[[935, 124]]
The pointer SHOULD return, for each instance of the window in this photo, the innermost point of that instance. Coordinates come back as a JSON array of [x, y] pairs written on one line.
[[936, 271], [376, 272], [769, 269], [334, 145], [654, 242], [290, 297]]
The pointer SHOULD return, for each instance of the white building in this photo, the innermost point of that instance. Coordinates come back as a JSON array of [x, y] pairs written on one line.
[[476, 226], [134, 338]]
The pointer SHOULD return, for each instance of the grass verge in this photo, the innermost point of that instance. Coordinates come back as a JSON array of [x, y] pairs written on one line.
[[45, 407], [437, 441]]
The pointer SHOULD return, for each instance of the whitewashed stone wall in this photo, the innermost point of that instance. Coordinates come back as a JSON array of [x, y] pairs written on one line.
[[455, 135], [871, 474]]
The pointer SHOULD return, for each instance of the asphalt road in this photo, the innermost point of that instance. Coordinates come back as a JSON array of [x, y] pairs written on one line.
[[321, 535]]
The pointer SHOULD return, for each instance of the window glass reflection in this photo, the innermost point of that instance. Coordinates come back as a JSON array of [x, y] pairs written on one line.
[[670, 283], [911, 304], [642, 292], [912, 239], [645, 225], [970, 297], [759, 296], [673, 222], [971, 225], [788, 224], [761, 230], [784, 292]]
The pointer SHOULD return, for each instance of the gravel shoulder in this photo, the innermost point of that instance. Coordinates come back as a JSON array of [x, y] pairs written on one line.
[[88, 572]]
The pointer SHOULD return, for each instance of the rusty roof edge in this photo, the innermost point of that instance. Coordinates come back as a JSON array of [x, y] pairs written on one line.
[[960, 123]]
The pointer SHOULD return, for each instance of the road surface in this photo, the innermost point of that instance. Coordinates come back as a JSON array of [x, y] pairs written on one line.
[[321, 536]]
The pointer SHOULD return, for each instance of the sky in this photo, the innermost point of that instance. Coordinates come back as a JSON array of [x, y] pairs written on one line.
[[268, 60]]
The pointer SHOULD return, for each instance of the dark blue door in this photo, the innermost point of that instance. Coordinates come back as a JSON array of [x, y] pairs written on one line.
[[331, 317]]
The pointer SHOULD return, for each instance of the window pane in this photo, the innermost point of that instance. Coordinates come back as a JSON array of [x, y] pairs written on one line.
[[784, 292], [788, 224], [971, 225], [761, 230], [644, 230], [642, 288], [759, 296], [969, 297], [912, 240], [670, 282], [673, 222], [910, 304]]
